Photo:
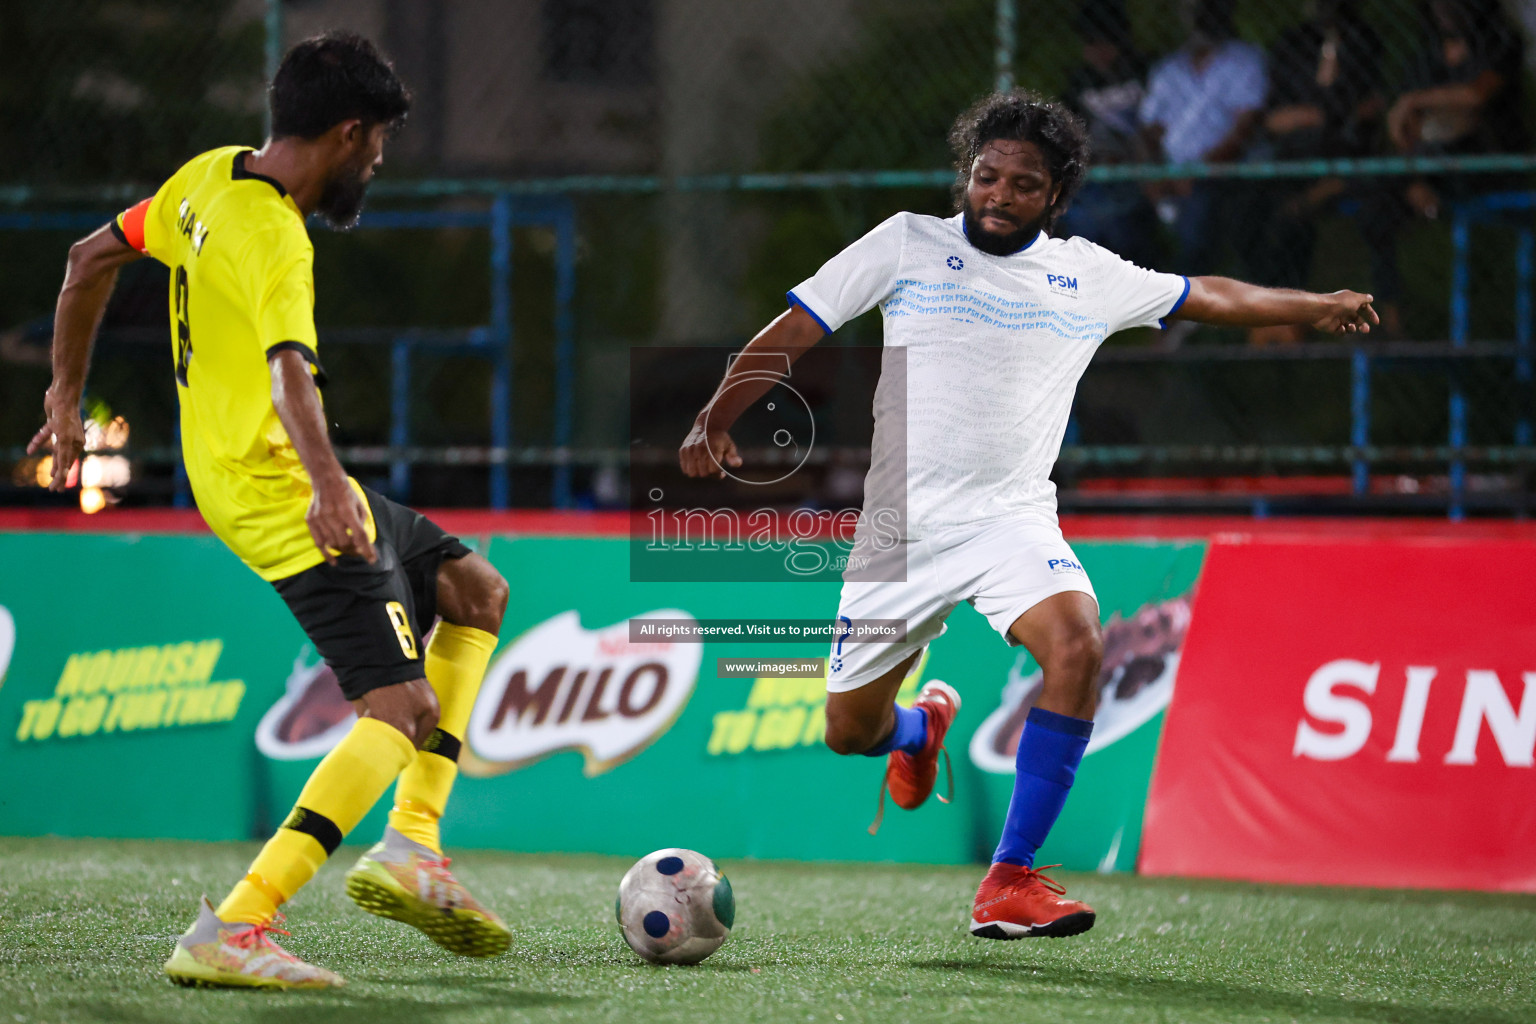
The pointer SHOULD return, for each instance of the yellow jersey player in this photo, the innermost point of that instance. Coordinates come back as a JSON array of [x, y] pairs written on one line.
[[365, 577]]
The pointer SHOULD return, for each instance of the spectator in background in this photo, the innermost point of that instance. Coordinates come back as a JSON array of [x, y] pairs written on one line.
[[1106, 91], [1203, 103], [1325, 102], [1462, 95]]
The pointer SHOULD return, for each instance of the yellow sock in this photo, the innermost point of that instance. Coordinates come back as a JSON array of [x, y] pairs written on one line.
[[343, 787], [456, 661]]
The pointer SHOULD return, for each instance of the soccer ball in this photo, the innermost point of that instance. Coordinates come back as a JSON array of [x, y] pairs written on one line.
[[675, 907]]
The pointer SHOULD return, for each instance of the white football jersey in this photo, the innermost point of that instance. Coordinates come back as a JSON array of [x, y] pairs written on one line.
[[993, 349]]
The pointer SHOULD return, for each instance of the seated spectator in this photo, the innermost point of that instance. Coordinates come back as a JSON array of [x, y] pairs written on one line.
[[1106, 91], [1203, 103], [1325, 102], [1462, 95]]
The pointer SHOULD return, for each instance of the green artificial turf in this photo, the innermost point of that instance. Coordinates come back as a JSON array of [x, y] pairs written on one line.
[[85, 925]]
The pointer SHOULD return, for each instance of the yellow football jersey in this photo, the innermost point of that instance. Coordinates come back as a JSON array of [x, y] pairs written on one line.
[[242, 287]]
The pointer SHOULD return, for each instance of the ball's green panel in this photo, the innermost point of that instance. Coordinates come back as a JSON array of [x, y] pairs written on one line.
[[725, 902], [618, 911]]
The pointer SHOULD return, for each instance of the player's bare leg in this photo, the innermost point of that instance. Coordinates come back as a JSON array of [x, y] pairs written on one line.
[[1015, 901], [411, 707], [470, 592], [859, 719], [868, 721], [1067, 641], [405, 876]]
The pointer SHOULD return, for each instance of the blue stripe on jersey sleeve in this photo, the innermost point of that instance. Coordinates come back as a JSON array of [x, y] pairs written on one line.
[[795, 300], [1163, 323]]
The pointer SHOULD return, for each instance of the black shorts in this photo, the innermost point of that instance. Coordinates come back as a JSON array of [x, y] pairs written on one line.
[[366, 620]]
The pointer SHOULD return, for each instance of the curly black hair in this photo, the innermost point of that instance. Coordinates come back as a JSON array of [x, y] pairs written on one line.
[[1025, 117], [333, 78]]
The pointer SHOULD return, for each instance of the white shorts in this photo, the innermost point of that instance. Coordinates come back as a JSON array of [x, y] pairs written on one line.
[[1003, 569]]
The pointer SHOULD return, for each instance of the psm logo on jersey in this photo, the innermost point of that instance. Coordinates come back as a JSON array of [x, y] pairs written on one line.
[[1061, 565], [955, 263], [1061, 281]]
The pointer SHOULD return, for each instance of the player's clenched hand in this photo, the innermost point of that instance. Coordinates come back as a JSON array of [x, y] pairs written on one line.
[[63, 434], [707, 450], [1348, 313], [339, 522]]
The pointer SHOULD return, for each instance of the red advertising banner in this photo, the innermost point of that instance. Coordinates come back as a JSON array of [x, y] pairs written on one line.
[[1357, 712]]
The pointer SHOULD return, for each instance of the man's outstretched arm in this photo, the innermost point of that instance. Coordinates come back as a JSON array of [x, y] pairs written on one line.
[[88, 282], [752, 373], [1224, 302]]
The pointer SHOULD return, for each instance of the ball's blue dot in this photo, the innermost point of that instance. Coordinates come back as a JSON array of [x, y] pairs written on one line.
[[669, 865], [657, 924]]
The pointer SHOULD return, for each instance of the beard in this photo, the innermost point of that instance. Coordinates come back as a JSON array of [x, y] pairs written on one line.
[[1005, 244], [341, 201]]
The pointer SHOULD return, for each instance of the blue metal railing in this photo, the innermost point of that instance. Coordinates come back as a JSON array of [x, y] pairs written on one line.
[[492, 341], [1362, 358], [1493, 207], [20, 194], [1360, 416]]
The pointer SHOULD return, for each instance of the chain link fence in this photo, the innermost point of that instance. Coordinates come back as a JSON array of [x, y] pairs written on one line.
[[709, 155]]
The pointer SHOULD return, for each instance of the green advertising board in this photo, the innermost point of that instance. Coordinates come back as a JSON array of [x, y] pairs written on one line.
[[583, 739], [138, 669]]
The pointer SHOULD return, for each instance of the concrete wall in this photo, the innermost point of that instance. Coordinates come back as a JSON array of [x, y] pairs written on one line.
[[487, 105]]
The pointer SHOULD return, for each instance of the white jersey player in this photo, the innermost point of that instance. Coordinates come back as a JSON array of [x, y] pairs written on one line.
[[996, 321]]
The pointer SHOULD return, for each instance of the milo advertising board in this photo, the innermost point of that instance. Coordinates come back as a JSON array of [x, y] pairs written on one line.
[[584, 740], [154, 687]]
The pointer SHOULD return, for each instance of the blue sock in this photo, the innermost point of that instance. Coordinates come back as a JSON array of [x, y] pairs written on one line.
[[910, 734], [1049, 752]]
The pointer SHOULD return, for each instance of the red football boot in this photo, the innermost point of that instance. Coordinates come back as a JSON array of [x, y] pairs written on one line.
[[1015, 902], [910, 777]]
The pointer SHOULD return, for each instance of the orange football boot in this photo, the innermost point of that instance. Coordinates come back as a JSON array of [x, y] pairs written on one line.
[[1015, 902], [910, 777]]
